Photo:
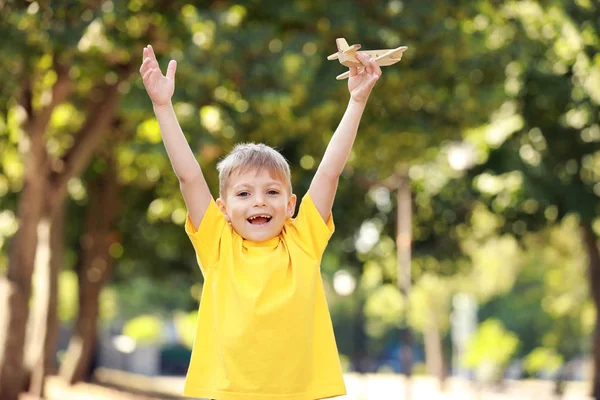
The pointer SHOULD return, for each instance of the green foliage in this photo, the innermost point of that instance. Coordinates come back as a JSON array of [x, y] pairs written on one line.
[[536, 169], [68, 299], [186, 326], [383, 308], [144, 329], [549, 84], [559, 253], [491, 348], [344, 311], [430, 303], [159, 297], [496, 263], [8, 227], [549, 304], [543, 360], [68, 303], [108, 304]]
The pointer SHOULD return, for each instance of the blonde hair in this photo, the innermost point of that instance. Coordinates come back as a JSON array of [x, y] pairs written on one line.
[[247, 156]]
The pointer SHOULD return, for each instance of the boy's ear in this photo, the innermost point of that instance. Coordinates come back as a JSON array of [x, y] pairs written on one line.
[[223, 207], [291, 206]]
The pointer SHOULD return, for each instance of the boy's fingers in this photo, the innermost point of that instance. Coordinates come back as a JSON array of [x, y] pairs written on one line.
[[364, 60], [376, 68], [369, 66], [150, 63], [151, 53], [353, 71], [154, 64], [171, 69], [147, 75], [374, 79], [145, 65]]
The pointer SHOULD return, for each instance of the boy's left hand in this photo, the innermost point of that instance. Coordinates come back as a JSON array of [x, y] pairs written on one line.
[[361, 83]]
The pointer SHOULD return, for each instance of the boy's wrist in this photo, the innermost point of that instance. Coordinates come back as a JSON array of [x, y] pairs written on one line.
[[158, 107], [356, 103]]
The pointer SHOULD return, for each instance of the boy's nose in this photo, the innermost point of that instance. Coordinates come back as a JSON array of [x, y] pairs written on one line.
[[259, 201]]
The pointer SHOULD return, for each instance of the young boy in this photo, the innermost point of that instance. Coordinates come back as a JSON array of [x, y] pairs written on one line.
[[264, 330]]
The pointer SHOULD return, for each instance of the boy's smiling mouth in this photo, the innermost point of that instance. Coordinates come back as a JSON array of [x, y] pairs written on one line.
[[259, 219]]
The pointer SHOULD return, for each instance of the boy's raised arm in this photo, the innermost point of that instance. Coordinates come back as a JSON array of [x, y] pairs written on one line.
[[160, 88], [324, 184]]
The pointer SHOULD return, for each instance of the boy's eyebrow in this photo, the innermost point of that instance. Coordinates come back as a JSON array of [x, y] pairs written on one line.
[[249, 185], [241, 185]]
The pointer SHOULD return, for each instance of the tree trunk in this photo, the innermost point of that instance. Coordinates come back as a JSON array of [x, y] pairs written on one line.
[[14, 306], [44, 189], [434, 357], [16, 289], [591, 244], [404, 246], [44, 316], [94, 268]]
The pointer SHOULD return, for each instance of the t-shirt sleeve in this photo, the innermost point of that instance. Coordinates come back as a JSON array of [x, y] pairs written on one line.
[[312, 231], [207, 239]]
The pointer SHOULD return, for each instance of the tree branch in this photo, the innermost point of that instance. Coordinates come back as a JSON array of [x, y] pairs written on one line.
[[98, 121], [87, 138], [37, 122], [27, 98], [590, 241], [60, 91]]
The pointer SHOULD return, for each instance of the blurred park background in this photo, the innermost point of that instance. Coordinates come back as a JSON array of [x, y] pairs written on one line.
[[467, 220]]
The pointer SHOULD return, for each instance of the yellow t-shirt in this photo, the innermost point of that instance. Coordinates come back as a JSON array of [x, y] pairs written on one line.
[[264, 330]]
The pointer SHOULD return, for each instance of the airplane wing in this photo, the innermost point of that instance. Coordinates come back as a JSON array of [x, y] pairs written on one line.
[[346, 75], [387, 57]]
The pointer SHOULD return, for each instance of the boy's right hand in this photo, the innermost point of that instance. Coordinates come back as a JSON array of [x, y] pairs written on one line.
[[160, 88]]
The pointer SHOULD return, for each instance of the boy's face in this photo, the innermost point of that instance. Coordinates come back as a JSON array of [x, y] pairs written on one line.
[[257, 204]]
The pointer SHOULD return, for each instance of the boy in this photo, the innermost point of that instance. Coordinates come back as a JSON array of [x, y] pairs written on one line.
[[264, 330]]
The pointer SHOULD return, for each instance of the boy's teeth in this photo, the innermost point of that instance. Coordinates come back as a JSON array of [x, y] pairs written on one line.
[[263, 218], [259, 216]]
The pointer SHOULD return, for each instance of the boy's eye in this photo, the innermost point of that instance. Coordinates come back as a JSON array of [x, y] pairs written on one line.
[[243, 194], [273, 192]]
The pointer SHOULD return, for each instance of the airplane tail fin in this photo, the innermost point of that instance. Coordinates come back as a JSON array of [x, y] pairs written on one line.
[[345, 52], [342, 44]]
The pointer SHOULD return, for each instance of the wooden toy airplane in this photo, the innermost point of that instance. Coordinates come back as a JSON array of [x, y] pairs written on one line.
[[346, 55]]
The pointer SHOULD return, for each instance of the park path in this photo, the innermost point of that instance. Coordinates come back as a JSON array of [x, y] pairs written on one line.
[[376, 387]]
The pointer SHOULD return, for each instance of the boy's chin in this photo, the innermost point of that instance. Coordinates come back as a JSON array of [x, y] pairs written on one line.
[[258, 238]]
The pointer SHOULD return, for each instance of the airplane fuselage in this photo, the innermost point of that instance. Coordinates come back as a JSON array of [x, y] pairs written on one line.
[[347, 56]]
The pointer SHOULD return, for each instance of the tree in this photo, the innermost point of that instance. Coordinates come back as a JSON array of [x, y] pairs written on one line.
[[55, 73], [553, 133], [94, 266]]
